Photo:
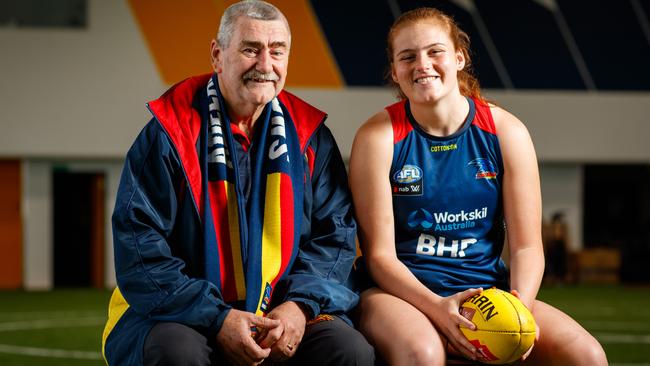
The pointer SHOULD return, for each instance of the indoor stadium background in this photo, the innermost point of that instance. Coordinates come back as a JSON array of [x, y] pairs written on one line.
[[75, 74]]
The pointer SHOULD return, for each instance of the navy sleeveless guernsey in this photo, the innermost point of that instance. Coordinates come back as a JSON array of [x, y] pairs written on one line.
[[447, 201]]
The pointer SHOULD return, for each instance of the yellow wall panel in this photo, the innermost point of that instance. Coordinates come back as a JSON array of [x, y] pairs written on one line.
[[178, 34], [311, 63]]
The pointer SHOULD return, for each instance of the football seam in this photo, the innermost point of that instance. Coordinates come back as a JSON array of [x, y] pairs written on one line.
[[519, 321], [503, 331]]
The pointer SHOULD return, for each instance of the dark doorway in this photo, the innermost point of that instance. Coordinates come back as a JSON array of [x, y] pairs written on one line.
[[78, 229], [617, 215]]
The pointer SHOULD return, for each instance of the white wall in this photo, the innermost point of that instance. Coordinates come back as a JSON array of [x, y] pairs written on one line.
[[562, 190], [37, 225], [597, 127], [75, 93], [576, 127]]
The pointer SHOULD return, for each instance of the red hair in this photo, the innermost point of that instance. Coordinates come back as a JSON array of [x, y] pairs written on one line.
[[467, 82]]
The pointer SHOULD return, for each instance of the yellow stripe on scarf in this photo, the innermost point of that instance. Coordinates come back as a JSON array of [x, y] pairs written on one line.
[[271, 235], [235, 244]]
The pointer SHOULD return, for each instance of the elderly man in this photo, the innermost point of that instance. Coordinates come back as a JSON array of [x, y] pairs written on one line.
[[233, 226]]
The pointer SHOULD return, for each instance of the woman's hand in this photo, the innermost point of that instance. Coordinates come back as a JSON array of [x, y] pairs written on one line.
[[447, 318]]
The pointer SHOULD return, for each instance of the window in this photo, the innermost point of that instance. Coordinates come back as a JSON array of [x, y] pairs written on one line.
[[43, 13]]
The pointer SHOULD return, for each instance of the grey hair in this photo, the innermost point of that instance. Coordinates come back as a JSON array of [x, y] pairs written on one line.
[[255, 9]]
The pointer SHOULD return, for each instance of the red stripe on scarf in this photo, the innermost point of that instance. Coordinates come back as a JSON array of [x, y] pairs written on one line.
[[219, 205], [287, 209]]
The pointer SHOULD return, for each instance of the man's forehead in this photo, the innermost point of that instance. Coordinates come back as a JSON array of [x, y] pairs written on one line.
[[265, 32]]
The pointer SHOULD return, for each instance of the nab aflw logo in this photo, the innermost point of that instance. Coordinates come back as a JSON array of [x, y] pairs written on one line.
[[408, 181], [278, 146]]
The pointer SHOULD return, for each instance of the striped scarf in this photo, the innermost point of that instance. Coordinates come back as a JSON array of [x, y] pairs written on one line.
[[248, 249]]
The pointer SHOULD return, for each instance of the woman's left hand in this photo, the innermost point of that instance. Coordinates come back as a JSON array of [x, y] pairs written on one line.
[[448, 319]]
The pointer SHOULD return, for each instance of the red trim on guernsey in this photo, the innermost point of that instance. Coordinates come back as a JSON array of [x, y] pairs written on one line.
[[401, 126], [310, 119], [483, 118], [174, 112]]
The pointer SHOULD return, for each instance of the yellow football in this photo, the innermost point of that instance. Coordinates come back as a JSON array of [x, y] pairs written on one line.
[[505, 328]]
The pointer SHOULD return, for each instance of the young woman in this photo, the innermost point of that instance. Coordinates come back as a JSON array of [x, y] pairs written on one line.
[[439, 179]]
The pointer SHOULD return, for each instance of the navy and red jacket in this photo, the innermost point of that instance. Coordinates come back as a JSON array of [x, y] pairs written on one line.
[[158, 234]]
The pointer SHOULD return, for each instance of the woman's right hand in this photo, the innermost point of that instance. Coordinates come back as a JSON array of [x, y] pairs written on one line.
[[447, 318]]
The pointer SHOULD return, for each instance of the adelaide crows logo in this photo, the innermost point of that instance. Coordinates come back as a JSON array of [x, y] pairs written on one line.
[[485, 168]]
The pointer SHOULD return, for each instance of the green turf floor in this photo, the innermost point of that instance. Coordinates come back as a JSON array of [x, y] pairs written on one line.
[[64, 327], [61, 327], [619, 317]]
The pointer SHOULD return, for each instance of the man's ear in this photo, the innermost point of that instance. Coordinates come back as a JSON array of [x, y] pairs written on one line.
[[216, 57]]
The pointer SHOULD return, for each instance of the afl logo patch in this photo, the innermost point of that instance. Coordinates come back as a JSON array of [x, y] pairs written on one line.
[[408, 181], [408, 174]]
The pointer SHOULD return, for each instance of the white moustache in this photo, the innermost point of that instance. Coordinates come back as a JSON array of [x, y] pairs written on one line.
[[260, 76]]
